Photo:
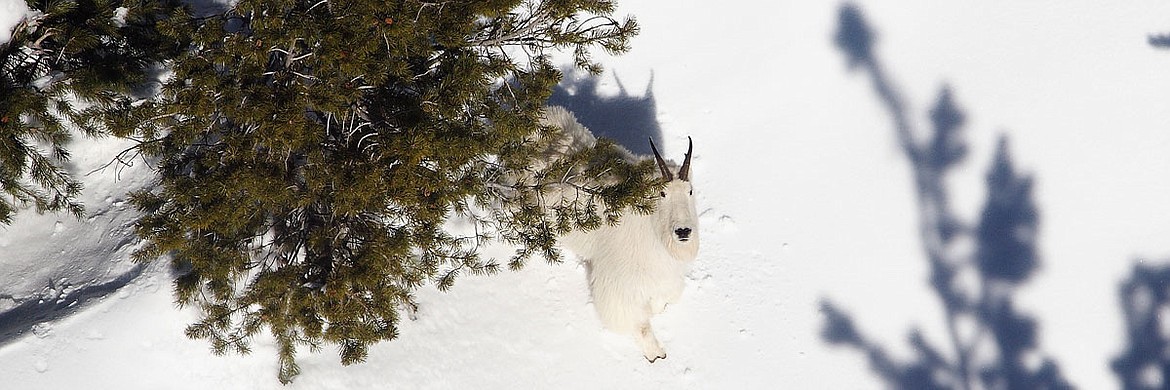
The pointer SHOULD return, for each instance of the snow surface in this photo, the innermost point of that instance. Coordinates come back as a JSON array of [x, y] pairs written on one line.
[[11, 12], [803, 191]]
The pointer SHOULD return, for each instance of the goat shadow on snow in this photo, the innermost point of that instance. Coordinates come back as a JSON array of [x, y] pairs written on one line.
[[624, 118]]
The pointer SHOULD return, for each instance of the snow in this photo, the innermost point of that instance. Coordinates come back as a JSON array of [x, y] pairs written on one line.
[[804, 196], [11, 13]]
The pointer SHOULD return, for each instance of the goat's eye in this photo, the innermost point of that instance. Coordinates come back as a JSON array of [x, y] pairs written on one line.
[[663, 194]]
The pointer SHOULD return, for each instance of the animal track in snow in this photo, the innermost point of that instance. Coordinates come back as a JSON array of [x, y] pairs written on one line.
[[41, 365], [42, 330], [716, 222]]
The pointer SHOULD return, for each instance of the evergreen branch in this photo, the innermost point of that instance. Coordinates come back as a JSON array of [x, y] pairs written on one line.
[[125, 158], [524, 34], [425, 4]]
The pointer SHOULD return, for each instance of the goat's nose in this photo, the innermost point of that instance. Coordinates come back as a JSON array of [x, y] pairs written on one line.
[[683, 233]]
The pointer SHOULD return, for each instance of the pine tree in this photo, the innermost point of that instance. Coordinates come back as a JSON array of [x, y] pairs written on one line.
[[70, 65], [310, 152]]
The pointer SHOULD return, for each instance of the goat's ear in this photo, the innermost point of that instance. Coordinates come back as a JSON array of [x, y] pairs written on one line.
[[666, 175], [684, 173]]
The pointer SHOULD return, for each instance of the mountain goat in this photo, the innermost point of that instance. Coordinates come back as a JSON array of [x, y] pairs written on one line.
[[638, 266]]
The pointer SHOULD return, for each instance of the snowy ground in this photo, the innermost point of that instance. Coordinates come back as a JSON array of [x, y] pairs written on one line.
[[804, 194]]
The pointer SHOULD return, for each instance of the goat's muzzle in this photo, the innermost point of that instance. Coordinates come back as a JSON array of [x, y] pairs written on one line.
[[683, 234]]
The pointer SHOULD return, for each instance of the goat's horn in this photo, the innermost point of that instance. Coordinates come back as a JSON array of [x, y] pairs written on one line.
[[661, 163], [684, 173]]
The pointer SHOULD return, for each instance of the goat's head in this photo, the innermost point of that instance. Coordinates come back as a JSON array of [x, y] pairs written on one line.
[[675, 212]]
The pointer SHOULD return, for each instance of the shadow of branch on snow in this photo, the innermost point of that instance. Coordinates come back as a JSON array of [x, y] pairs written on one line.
[[1144, 299], [1004, 257], [1145, 304], [15, 322], [628, 120]]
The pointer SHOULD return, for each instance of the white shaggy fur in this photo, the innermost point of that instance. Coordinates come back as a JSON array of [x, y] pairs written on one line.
[[638, 266]]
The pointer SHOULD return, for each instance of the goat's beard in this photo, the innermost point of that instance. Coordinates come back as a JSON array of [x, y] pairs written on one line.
[[683, 250]]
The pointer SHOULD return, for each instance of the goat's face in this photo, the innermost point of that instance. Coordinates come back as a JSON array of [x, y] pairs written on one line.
[[676, 206], [675, 211]]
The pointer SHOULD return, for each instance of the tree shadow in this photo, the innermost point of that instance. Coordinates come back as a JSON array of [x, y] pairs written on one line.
[[1145, 300], [1145, 303], [1159, 41], [15, 322], [1004, 256], [626, 119]]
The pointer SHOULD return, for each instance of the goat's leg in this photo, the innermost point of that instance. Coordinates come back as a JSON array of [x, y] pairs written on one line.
[[666, 295], [651, 349]]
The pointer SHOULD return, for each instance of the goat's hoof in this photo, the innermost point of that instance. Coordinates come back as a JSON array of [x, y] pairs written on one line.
[[653, 359]]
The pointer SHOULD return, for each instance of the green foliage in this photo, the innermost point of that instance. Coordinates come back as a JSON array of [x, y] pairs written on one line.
[[69, 54], [310, 153]]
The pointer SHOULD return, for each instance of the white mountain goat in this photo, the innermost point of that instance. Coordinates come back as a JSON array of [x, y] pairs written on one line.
[[638, 266]]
